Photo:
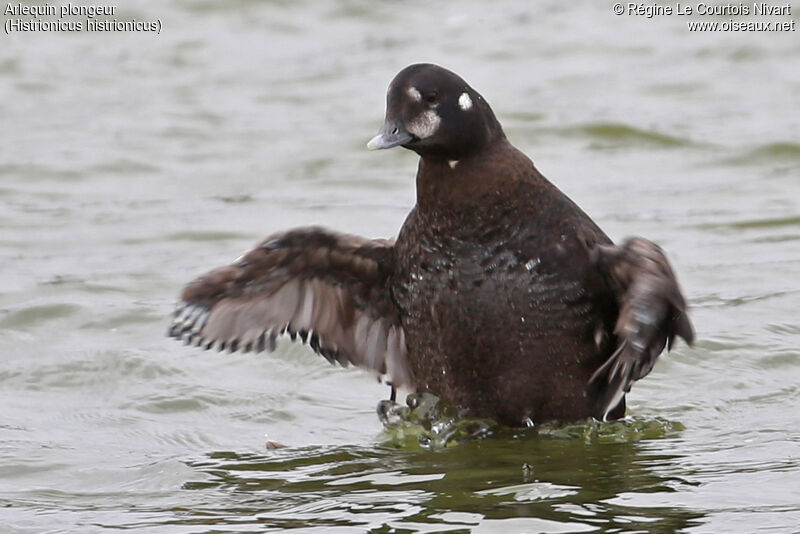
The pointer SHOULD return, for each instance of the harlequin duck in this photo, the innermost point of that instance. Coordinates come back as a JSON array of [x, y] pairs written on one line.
[[500, 295]]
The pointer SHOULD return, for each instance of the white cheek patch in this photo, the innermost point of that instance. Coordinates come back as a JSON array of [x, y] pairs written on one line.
[[414, 94], [464, 101], [425, 125]]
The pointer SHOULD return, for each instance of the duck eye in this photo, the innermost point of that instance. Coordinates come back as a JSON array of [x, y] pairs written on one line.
[[432, 97]]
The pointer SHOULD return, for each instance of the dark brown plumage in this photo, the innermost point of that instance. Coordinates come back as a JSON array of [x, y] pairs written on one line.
[[500, 295]]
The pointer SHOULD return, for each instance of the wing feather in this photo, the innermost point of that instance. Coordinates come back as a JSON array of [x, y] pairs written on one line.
[[652, 312], [330, 289]]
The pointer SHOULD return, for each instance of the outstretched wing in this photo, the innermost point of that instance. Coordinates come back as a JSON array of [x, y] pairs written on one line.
[[329, 289], [652, 312]]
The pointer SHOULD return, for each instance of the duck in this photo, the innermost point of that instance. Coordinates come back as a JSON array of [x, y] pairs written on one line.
[[499, 295]]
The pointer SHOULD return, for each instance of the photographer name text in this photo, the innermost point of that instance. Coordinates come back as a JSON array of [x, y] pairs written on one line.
[[701, 8]]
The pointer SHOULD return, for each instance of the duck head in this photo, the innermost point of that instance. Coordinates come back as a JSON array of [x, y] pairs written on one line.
[[435, 113]]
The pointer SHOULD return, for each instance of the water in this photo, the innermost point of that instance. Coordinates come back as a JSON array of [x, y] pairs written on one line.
[[130, 163]]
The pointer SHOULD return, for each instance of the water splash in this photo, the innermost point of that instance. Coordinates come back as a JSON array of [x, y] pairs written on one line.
[[429, 422]]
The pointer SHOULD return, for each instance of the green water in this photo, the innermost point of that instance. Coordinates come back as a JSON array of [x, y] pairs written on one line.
[[129, 163]]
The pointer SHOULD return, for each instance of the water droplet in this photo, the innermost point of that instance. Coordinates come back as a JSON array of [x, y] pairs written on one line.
[[528, 422]]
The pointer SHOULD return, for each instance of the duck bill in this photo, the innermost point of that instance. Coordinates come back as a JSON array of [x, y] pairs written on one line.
[[390, 135]]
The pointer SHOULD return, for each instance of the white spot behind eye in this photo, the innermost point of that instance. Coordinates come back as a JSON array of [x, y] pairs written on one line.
[[414, 94], [453, 163], [464, 101]]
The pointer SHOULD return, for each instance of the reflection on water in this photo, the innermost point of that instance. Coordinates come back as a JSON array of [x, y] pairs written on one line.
[[131, 163], [560, 483]]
